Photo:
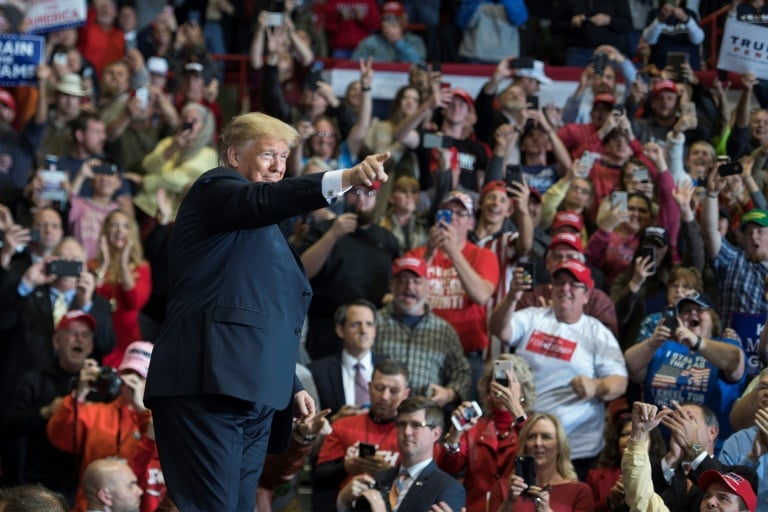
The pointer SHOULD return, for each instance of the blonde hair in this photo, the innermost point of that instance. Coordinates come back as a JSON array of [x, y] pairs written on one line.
[[115, 271], [564, 466], [244, 129]]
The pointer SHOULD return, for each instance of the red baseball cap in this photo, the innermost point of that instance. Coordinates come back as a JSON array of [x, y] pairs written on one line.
[[464, 95], [570, 239], [578, 270], [413, 263], [76, 315], [565, 218], [136, 358], [392, 9], [664, 85], [736, 483], [459, 197], [605, 98], [493, 185]]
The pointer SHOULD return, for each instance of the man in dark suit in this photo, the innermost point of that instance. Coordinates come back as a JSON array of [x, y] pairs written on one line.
[[226, 355], [417, 483], [342, 379]]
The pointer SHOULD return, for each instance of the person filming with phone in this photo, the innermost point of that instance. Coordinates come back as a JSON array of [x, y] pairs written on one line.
[[562, 344], [686, 360], [544, 478], [483, 443]]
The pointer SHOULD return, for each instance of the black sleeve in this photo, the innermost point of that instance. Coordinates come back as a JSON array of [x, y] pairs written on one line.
[[272, 97]]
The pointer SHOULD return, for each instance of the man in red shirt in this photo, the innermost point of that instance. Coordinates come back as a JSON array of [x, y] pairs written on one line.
[[462, 277]]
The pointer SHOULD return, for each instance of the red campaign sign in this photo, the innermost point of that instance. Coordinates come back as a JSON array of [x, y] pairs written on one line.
[[551, 346]]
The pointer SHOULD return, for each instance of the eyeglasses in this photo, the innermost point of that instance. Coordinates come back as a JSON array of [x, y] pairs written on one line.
[[324, 135], [402, 425], [362, 191], [270, 156], [573, 284], [460, 213]]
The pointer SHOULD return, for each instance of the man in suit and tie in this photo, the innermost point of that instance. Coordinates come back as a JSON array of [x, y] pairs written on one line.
[[342, 379], [416, 483], [225, 359]]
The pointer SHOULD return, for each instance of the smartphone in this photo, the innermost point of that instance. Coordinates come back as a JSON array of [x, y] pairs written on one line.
[[445, 216], [688, 108], [315, 75], [619, 200], [676, 60], [110, 169], [617, 111], [521, 63], [526, 468], [62, 268], [730, 169], [650, 253], [669, 313], [514, 175], [528, 275], [532, 102], [275, 19], [433, 140], [367, 450], [640, 174], [500, 369], [464, 422], [599, 63], [60, 59], [54, 185], [142, 94], [34, 236]]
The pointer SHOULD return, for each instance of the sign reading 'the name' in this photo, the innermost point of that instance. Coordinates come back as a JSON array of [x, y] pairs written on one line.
[[19, 57]]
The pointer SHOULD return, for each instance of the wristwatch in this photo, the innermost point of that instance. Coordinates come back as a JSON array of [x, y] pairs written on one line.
[[694, 450]]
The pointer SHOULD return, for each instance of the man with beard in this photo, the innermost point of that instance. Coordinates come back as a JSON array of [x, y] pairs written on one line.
[[741, 272], [88, 138], [666, 116], [340, 457], [57, 138], [410, 332], [576, 361], [346, 258]]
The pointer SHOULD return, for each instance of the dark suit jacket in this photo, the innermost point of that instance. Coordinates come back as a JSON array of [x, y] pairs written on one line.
[[238, 292], [29, 346], [676, 494], [326, 373], [432, 486]]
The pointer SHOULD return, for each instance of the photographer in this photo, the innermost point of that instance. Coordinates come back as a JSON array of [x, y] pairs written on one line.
[[96, 430], [674, 28]]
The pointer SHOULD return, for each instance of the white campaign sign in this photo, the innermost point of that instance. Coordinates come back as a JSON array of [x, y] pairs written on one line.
[[45, 16], [744, 48]]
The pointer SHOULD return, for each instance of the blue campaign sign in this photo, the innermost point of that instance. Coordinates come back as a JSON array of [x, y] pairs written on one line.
[[749, 327], [19, 57]]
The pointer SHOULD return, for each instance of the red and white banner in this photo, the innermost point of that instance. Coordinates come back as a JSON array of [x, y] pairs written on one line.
[[45, 16]]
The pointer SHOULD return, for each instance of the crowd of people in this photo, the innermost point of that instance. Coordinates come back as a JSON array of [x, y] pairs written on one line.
[[504, 299]]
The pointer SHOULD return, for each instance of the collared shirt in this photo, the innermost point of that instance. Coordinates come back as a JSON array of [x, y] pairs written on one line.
[[413, 475], [24, 289], [348, 371], [741, 282], [431, 351]]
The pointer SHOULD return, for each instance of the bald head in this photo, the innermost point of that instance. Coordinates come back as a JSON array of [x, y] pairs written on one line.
[[110, 483]]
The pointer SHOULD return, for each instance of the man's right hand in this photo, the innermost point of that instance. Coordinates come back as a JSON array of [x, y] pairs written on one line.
[[646, 417], [35, 275], [347, 410], [88, 374], [366, 172], [344, 224], [352, 491]]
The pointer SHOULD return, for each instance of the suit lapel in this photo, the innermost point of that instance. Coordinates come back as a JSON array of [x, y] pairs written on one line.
[[337, 384], [411, 500]]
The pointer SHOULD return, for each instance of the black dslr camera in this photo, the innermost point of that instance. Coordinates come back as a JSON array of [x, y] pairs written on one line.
[[108, 382]]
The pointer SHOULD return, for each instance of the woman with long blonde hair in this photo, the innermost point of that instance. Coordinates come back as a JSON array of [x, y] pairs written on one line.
[[123, 278]]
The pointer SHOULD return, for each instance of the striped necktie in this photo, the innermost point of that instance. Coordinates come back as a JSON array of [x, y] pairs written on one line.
[[397, 487]]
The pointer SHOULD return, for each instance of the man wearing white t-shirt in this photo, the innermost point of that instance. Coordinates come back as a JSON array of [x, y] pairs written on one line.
[[576, 361]]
